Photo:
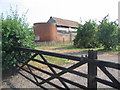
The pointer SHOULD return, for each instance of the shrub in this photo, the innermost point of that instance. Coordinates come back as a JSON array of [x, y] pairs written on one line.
[[15, 32], [108, 33], [119, 36], [86, 35]]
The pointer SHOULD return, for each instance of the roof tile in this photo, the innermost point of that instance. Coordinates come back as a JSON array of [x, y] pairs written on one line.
[[63, 22]]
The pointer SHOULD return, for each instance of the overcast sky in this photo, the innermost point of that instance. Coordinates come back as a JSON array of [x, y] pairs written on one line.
[[41, 10]]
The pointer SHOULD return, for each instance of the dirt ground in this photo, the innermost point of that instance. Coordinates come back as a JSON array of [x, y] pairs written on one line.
[[19, 81]]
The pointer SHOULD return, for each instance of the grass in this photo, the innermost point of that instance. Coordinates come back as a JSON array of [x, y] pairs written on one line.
[[53, 60], [69, 47], [46, 47], [63, 49], [75, 48], [57, 61], [54, 45], [101, 49], [50, 59]]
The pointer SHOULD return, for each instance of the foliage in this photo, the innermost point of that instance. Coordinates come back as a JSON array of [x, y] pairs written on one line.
[[86, 35], [108, 33], [15, 33], [119, 36]]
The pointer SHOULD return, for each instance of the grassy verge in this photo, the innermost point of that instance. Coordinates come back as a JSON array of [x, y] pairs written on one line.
[[64, 49], [50, 59]]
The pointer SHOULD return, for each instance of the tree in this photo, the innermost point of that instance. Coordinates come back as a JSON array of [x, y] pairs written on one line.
[[15, 33], [108, 33], [119, 36], [86, 35]]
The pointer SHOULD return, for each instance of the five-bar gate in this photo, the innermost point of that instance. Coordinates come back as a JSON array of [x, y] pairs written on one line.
[[90, 59]]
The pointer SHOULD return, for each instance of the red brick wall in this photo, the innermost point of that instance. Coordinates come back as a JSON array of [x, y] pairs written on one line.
[[63, 37], [47, 32]]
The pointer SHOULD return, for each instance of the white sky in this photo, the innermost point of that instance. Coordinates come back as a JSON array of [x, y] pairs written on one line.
[[41, 10]]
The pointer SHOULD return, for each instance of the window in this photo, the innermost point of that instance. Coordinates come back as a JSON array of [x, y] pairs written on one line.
[[37, 37]]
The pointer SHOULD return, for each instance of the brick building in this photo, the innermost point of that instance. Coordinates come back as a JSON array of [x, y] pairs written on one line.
[[55, 29]]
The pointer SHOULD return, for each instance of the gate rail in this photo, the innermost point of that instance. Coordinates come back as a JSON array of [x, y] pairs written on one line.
[[90, 59]]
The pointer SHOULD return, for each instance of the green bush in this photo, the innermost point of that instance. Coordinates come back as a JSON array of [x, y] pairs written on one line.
[[91, 35], [119, 36], [15, 33], [86, 35], [108, 33]]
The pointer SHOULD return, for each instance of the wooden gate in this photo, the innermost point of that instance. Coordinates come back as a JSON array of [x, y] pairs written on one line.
[[90, 60]]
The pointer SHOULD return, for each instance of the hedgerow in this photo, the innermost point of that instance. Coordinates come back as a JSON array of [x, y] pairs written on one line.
[[15, 33]]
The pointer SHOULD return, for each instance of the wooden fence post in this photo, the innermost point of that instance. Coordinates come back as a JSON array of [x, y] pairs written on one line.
[[92, 69]]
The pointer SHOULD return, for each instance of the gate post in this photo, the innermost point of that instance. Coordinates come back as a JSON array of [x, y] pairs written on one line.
[[92, 69]]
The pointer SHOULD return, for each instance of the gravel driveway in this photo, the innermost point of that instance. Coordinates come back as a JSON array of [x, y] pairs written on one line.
[[19, 81]]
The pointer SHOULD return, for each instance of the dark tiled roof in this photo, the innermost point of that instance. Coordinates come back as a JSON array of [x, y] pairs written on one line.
[[63, 22]]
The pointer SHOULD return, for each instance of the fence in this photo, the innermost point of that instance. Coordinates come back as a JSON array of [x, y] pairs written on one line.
[[52, 43], [91, 76]]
